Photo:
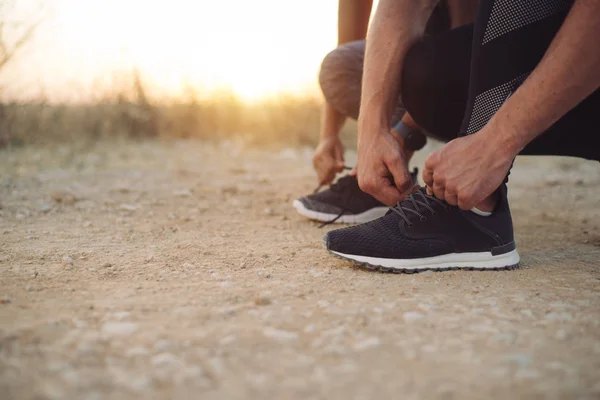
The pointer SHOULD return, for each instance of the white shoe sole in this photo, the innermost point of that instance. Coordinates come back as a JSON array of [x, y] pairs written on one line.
[[361, 218], [479, 261]]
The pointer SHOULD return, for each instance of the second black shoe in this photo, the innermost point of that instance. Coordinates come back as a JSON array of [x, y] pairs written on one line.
[[425, 233], [343, 202]]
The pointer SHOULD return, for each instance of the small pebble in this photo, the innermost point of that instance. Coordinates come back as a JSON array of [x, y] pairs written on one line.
[[136, 352], [106, 265], [67, 260], [262, 301], [162, 345], [522, 360], [5, 300], [368, 343], [164, 359], [560, 316], [64, 197], [279, 334], [119, 328], [227, 340], [183, 193], [127, 207], [411, 316]]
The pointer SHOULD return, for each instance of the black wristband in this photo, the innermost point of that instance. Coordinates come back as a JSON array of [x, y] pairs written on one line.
[[414, 139]]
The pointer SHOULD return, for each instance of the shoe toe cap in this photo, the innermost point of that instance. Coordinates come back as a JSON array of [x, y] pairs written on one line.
[[340, 240]]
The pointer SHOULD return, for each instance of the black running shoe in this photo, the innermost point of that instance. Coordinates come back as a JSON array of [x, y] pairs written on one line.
[[425, 233], [343, 202]]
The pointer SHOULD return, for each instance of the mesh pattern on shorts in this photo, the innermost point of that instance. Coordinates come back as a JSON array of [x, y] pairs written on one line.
[[509, 15], [490, 101]]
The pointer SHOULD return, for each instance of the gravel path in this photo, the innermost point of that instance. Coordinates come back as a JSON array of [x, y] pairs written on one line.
[[180, 270]]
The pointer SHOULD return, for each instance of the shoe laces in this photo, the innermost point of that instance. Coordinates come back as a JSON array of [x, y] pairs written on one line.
[[418, 199], [345, 181], [339, 186]]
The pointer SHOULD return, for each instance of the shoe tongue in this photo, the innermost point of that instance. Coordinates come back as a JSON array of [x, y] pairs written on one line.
[[345, 181], [346, 178]]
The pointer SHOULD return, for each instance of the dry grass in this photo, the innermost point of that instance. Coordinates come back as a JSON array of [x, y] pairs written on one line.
[[285, 121]]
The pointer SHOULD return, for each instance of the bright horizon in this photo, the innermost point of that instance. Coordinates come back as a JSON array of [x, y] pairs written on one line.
[[256, 49]]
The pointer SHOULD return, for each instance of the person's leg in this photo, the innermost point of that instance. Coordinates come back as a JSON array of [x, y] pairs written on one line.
[[435, 81], [340, 76], [509, 40], [437, 75]]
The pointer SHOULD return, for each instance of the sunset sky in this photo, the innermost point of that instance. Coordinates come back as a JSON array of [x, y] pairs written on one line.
[[255, 48]]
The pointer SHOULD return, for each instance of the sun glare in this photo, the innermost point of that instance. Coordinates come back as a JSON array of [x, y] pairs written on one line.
[[254, 48]]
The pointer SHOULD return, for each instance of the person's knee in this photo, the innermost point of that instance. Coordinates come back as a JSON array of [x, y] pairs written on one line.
[[340, 77]]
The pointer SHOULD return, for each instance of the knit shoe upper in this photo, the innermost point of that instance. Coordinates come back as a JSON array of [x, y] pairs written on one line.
[[423, 227]]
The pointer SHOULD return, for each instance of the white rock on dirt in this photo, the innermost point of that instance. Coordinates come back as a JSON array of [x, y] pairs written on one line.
[[162, 345], [412, 316], [127, 207], [66, 260], [121, 315], [119, 328], [368, 343], [164, 359], [45, 208], [227, 340], [136, 352], [182, 193], [280, 334]]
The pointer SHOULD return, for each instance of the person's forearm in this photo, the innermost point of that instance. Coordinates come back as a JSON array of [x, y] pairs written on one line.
[[331, 122], [396, 26], [353, 19], [567, 74]]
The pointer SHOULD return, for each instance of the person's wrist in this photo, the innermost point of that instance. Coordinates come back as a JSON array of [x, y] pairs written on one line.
[[504, 138], [373, 118], [328, 137]]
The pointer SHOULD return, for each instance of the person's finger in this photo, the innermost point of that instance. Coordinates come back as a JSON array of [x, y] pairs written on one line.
[[429, 168], [427, 176], [439, 190], [326, 176], [429, 190], [388, 193], [339, 154], [339, 166], [381, 188], [468, 200], [450, 197], [465, 203], [402, 178]]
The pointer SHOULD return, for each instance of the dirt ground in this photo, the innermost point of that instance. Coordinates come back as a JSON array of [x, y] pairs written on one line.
[[180, 270]]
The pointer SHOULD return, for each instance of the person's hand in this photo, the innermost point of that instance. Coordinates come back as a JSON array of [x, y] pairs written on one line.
[[380, 158], [328, 159], [468, 169]]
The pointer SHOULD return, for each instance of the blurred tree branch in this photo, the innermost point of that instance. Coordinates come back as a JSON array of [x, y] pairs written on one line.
[[24, 32]]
